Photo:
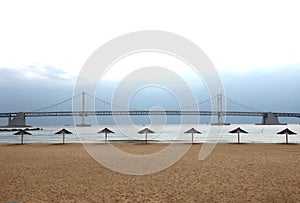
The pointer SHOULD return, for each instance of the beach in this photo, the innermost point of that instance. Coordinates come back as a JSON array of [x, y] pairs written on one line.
[[232, 173]]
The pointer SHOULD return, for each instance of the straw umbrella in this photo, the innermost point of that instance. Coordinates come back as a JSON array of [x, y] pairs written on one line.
[[63, 132], [146, 131], [287, 132], [22, 133], [193, 130], [238, 131], [106, 131]]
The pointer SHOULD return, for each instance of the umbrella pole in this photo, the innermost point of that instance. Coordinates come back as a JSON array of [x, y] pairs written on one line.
[[63, 138], [238, 137], [22, 139], [105, 138], [192, 138], [146, 138], [286, 138]]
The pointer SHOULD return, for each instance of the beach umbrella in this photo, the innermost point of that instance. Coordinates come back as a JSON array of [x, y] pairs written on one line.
[[22, 133], [238, 131], [106, 131], [63, 132], [146, 131], [193, 130], [287, 132]]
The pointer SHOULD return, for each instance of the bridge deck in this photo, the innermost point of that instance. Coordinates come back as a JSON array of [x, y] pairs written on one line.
[[141, 113]]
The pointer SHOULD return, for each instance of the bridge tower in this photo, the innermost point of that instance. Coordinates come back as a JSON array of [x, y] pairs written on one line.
[[220, 112], [220, 108], [83, 114]]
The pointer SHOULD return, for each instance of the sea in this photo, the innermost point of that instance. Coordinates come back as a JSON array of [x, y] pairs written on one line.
[[162, 133]]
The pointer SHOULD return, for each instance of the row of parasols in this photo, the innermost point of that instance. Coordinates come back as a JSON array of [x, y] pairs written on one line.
[[147, 130]]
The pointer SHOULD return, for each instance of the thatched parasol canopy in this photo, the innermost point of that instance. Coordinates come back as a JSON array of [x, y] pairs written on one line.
[[238, 130], [287, 131]]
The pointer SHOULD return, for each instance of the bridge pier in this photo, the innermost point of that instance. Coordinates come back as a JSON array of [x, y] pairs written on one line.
[[270, 119], [9, 118], [18, 121], [83, 124]]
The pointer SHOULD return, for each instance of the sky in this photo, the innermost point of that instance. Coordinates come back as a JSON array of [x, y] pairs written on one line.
[[254, 45]]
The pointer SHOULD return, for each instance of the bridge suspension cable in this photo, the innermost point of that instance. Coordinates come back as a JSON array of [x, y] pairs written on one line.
[[240, 105], [199, 103], [111, 104], [59, 103], [134, 109]]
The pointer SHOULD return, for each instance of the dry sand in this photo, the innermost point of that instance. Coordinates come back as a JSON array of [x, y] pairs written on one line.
[[232, 173]]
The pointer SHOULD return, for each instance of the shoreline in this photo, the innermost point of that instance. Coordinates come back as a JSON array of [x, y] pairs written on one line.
[[168, 133], [143, 143]]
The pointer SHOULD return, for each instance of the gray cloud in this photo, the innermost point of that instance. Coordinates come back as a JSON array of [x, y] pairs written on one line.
[[38, 73], [48, 72], [276, 90], [30, 87]]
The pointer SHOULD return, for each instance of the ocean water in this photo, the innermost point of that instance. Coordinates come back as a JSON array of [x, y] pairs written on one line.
[[163, 133]]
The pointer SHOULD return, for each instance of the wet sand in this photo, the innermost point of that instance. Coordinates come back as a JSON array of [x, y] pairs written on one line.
[[232, 173]]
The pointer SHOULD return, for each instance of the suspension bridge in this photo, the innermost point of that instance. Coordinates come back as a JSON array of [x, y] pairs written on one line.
[[18, 119]]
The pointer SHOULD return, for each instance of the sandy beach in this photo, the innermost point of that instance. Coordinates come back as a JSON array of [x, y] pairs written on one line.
[[232, 173]]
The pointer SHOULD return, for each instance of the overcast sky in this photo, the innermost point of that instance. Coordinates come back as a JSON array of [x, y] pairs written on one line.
[[255, 46]]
